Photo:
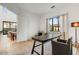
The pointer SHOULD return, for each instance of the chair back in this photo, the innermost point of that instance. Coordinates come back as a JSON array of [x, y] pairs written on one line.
[[61, 48]]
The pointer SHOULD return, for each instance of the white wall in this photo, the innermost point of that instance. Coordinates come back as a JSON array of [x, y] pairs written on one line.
[[5, 15], [73, 15], [28, 26], [28, 23]]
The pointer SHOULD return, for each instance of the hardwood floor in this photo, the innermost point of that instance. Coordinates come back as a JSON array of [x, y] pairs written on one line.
[[20, 47], [25, 47]]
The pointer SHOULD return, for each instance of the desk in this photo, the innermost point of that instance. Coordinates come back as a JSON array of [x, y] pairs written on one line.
[[43, 39]]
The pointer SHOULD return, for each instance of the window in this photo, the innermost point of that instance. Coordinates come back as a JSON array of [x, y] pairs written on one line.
[[50, 24], [8, 26], [59, 24], [53, 24]]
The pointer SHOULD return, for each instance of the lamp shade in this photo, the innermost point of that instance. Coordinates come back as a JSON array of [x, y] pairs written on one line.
[[75, 24]]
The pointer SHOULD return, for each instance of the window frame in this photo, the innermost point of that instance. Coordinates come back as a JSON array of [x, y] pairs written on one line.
[[52, 29]]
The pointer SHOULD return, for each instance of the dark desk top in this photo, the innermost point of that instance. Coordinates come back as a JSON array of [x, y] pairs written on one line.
[[45, 38]]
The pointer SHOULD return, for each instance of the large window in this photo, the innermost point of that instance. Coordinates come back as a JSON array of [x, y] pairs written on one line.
[[59, 24], [53, 24], [9, 26]]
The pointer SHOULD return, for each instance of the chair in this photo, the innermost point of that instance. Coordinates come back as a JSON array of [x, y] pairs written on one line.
[[62, 48], [12, 35]]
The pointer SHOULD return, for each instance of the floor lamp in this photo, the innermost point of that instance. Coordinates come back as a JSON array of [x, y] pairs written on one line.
[[75, 25]]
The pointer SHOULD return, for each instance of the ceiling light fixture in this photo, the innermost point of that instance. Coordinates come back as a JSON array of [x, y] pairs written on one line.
[[52, 6]]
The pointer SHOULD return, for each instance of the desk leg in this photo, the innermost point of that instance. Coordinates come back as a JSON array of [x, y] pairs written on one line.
[[33, 47], [52, 47], [42, 51]]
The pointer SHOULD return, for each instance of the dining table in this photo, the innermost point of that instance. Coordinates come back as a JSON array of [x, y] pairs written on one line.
[[43, 39]]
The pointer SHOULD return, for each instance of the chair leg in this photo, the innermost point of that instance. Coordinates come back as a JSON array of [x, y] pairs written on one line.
[[33, 47], [42, 51]]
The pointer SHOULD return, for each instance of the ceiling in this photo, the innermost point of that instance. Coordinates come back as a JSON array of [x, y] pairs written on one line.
[[37, 8], [40, 8]]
